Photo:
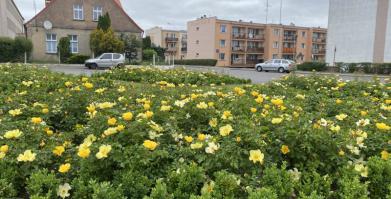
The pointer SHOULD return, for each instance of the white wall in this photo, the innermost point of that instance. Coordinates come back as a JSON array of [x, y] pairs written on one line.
[[387, 52], [351, 30]]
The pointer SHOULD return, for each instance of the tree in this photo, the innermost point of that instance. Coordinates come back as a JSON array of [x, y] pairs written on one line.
[[64, 49], [148, 54], [104, 22], [132, 46], [147, 44], [105, 42]]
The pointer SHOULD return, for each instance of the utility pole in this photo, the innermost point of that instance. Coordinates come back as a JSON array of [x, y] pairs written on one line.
[[267, 9], [281, 12]]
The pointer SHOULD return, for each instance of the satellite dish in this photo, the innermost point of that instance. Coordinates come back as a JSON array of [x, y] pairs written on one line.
[[47, 25]]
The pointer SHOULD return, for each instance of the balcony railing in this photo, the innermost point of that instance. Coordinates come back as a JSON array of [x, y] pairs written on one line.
[[238, 49], [319, 40], [257, 37], [290, 38], [318, 51], [171, 49], [239, 35], [171, 39], [255, 49], [239, 61], [288, 50]]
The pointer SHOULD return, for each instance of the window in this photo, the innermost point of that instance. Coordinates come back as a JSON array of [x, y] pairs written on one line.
[[303, 45], [198, 28], [303, 34], [78, 12], [275, 56], [223, 28], [222, 56], [197, 54], [97, 12], [222, 43], [275, 44], [51, 43], [197, 42], [117, 56], [74, 43], [277, 62], [106, 56], [276, 32]]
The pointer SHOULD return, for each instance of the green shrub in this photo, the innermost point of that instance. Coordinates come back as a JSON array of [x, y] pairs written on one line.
[[186, 180], [42, 183], [352, 188], [313, 195], [226, 185], [314, 182], [278, 179], [21, 46], [148, 54], [379, 176], [7, 189], [263, 193], [6, 49], [197, 62], [12, 50], [159, 191], [64, 49], [312, 66], [77, 59]]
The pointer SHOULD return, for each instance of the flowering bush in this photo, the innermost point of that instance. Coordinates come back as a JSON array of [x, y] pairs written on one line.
[[96, 137]]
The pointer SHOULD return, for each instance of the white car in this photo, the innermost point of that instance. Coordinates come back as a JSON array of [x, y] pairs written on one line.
[[106, 60], [280, 65]]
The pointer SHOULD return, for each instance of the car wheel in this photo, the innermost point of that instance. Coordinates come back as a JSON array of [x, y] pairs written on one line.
[[281, 70], [94, 66], [120, 66], [259, 68]]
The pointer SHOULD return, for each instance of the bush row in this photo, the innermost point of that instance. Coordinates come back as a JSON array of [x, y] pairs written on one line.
[[197, 62], [311, 66], [77, 59], [12, 50], [371, 68]]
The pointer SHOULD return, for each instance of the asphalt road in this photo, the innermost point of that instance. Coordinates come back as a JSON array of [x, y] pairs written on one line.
[[245, 73]]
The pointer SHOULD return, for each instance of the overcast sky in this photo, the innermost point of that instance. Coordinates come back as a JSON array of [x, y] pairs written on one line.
[[174, 14]]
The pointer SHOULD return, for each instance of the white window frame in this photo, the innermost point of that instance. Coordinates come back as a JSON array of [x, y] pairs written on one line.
[[78, 12], [221, 56], [97, 12], [222, 43], [74, 44], [51, 43], [276, 44], [276, 32], [223, 28], [303, 45]]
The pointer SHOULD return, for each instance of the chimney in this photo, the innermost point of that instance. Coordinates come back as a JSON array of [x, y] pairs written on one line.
[[47, 2]]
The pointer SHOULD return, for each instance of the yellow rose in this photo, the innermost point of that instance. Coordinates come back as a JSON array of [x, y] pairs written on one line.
[[189, 139], [383, 126], [64, 168], [285, 149], [84, 152], [27, 156], [277, 102], [104, 150], [253, 110], [226, 130], [45, 111], [151, 145], [88, 85], [58, 150], [4, 149], [213, 122], [256, 156], [15, 112], [277, 120], [36, 120], [201, 137], [385, 155], [13, 134], [127, 116]]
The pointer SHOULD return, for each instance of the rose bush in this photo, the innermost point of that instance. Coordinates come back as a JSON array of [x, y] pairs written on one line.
[[105, 137]]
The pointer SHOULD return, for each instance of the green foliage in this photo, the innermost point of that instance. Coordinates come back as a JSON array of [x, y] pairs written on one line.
[[13, 50], [197, 62], [42, 183], [186, 180], [7, 189], [379, 176], [278, 179], [226, 185], [105, 42], [312, 66], [370, 68], [159, 191], [64, 49], [132, 45], [22, 45], [351, 188], [313, 182], [263, 193], [147, 43], [104, 22], [135, 182], [105, 190], [77, 59], [148, 54], [313, 195]]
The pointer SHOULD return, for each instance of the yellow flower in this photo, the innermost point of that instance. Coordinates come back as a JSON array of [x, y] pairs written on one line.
[[64, 168], [201, 137], [363, 113], [253, 110], [259, 100], [127, 116], [385, 155], [338, 101], [120, 127], [110, 131], [277, 120], [299, 96], [27, 156], [226, 130], [63, 190], [285, 149], [58, 150], [226, 115], [341, 153], [88, 85], [68, 84], [4, 149], [189, 139], [149, 114], [49, 132], [151, 145], [213, 122], [36, 120], [277, 102], [165, 108], [383, 126], [197, 145], [111, 121], [83, 152], [2, 155], [256, 156], [202, 105], [91, 108], [362, 169], [335, 128], [104, 150], [106, 105], [15, 112], [13, 134], [341, 117], [45, 111], [147, 106]]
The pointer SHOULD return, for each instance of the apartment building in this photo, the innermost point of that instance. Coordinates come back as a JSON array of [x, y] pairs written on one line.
[[11, 21], [239, 43], [174, 41], [75, 19], [359, 31]]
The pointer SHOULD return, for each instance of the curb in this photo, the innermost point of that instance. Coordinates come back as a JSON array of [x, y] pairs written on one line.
[[342, 74]]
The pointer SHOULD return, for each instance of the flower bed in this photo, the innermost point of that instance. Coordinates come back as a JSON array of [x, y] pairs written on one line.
[[300, 137]]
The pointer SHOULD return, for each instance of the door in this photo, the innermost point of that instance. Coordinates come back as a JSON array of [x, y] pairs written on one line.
[[106, 60], [267, 65], [276, 64]]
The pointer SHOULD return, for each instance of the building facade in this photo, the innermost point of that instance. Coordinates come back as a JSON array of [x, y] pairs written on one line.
[[238, 43], [359, 31], [174, 41], [11, 21], [75, 19]]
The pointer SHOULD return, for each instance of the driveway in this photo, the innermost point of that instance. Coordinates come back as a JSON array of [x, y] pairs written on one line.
[[245, 73]]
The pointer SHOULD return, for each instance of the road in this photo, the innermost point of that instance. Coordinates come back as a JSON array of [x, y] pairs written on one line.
[[245, 73]]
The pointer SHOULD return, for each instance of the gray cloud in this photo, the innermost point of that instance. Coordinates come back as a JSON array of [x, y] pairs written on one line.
[[175, 13]]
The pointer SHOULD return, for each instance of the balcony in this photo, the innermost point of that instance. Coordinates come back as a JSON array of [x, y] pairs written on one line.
[[238, 49], [239, 36], [319, 51], [290, 38], [171, 39], [255, 50], [240, 61], [319, 40], [256, 37], [184, 49], [171, 49], [288, 50]]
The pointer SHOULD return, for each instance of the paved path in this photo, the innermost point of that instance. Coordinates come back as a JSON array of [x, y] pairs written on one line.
[[245, 73]]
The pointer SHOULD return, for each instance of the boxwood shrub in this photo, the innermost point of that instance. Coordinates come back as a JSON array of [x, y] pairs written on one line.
[[77, 59], [311, 66], [197, 62]]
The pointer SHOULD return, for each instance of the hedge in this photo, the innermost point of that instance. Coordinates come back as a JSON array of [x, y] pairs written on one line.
[[197, 62], [12, 50], [77, 59], [312, 66], [370, 68]]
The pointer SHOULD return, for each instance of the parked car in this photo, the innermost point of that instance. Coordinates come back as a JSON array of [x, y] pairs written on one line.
[[106, 60], [280, 65]]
